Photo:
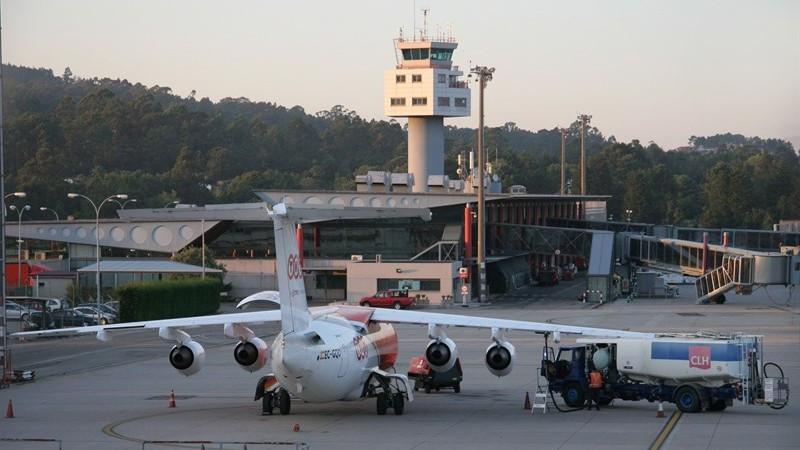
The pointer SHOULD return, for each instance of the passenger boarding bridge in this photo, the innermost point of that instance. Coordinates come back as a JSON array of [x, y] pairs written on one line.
[[718, 268]]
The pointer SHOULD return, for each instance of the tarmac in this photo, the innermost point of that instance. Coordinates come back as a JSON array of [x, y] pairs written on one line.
[[93, 395]]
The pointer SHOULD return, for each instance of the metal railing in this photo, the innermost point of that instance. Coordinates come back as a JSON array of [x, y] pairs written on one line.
[[225, 445]]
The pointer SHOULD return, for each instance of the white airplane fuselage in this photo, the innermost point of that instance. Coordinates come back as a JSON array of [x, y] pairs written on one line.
[[331, 360]]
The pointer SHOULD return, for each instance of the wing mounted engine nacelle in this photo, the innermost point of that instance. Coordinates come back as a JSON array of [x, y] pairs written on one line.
[[500, 358], [441, 354], [187, 358], [252, 354]]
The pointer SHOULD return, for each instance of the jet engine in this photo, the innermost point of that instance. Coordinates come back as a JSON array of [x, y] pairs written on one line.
[[252, 354], [441, 354], [187, 358], [500, 357]]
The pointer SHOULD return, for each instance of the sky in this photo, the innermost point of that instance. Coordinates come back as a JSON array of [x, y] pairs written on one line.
[[650, 70]]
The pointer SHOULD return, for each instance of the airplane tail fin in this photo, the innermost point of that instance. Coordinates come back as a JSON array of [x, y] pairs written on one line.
[[294, 307]]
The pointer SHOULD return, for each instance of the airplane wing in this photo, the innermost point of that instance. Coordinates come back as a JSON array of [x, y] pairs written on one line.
[[251, 318], [455, 320]]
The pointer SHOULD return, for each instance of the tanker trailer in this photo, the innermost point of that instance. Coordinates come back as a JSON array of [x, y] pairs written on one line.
[[694, 371]]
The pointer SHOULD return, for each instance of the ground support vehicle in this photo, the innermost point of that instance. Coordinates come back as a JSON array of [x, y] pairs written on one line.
[[428, 379], [396, 299], [696, 372]]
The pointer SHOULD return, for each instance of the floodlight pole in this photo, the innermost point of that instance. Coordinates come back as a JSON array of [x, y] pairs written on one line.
[[484, 76]]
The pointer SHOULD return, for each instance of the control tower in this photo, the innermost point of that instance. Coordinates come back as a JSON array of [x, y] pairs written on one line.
[[425, 87]]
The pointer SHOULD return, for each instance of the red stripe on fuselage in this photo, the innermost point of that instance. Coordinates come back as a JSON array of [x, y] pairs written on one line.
[[385, 340]]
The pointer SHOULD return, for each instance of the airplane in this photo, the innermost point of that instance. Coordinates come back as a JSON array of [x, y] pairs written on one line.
[[331, 353]]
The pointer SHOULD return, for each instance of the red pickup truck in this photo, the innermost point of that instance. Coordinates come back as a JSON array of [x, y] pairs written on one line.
[[390, 299]]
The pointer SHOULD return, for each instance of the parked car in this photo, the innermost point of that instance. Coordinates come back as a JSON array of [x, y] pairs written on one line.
[[41, 321], [36, 303], [107, 310], [91, 311], [16, 311], [71, 318], [390, 299]]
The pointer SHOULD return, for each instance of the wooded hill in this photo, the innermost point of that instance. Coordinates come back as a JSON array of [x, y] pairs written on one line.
[[101, 136]]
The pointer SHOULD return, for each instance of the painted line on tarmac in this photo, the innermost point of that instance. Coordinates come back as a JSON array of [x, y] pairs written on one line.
[[109, 429], [665, 432]]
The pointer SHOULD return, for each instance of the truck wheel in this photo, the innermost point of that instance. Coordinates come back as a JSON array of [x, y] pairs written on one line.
[[720, 299], [398, 404], [367, 304], [397, 305], [381, 403], [687, 400], [457, 387], [573, 395], [427, 388], [284, 403]]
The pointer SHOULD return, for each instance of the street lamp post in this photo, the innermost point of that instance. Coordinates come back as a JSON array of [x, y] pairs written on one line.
[[19, 239], [122, 205], [97, 240], [484, 75], [4, 322], [45, 208], [629, 212]]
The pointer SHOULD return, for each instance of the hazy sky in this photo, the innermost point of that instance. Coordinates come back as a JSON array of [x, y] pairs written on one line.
[[648, 70]]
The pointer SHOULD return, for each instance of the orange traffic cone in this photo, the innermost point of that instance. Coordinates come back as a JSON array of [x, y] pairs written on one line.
[[527, 406], [10, 410], [172, 399], [660, 410]]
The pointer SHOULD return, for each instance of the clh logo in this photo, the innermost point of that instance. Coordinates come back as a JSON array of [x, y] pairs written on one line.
[[700, 357], [293, 268]]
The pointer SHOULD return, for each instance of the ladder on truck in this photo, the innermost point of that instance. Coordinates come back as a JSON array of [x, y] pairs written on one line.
[[541, 398]]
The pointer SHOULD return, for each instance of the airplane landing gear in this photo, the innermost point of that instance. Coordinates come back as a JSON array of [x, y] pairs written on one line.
[[276, 399], [388, 393]]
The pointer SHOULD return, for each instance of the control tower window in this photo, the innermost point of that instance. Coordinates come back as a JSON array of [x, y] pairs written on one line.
[[419, 101], [442, 78], [416, 53], [461, 101], [416, 78], [399, 78], [444, 101], [398, 101], [441, 54]]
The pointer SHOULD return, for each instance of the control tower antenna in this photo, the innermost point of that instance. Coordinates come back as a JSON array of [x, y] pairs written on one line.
[[424, 32]]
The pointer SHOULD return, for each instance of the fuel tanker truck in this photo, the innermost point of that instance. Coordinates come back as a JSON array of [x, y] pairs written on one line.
[[694, 371]]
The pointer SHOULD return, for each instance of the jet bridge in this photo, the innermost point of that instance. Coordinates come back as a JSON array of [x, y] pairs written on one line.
[[718, 268]]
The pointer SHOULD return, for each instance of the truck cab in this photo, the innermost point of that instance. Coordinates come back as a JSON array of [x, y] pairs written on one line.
[[567, 374]]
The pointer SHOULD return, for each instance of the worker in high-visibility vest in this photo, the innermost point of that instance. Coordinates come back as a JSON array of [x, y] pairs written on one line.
[[595, 384]]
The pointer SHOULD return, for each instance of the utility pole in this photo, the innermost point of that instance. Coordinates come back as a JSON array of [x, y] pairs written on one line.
[[563, 152], [3, 320], [484, 75], [584, 118]]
